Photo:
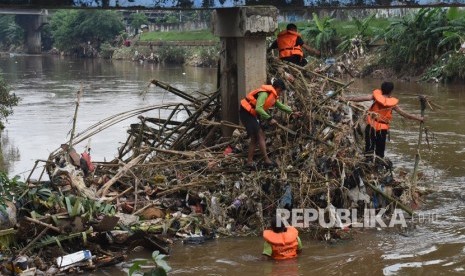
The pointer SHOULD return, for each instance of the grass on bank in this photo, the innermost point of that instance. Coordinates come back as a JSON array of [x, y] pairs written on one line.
[[343, 27], [175, 36]]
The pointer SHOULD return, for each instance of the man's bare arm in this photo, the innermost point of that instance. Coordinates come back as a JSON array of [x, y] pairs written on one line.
[[407, 115], [311, 50], [359, 98]]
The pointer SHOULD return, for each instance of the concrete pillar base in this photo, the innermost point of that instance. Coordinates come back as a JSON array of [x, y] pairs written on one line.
[[32, 25], [243, 34]]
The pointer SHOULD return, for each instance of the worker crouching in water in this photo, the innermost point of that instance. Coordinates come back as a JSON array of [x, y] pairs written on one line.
[[254, 116], [281, 242], [380, 116]]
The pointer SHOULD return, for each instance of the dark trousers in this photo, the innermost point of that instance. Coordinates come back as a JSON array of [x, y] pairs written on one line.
[[375, 141], [296, 59]]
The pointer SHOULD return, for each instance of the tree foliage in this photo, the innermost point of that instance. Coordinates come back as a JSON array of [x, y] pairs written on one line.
[[10, 32], [138, 19], [7, 101], [413, 41], [73, 27], [322, 34], [363, 32]]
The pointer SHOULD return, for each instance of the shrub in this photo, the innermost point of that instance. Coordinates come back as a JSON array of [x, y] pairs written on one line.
[[172, 54], [106, 50], [7, 101]]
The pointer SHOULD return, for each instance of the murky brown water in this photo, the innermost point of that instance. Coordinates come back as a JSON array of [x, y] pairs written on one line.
[[47, 86]]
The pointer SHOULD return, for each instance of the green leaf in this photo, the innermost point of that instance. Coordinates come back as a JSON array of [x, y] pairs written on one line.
[[136, 265], [163, 264], [317, 22], [159, 257], [155, 255], [159, 271], [76, 208], [453, 13], [44, 193], [69, 207]]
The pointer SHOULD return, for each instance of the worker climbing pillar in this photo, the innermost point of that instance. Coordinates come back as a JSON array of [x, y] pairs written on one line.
[[242, 33]]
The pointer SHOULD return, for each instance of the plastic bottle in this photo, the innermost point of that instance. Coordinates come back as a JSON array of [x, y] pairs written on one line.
[[74, 258]]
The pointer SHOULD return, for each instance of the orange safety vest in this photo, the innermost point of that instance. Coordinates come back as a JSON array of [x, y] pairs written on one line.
[[284, 245], [286, 44], [250, 101], [381, 111]]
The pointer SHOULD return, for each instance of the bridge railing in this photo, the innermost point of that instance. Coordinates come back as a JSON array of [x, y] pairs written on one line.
[[208, 4]]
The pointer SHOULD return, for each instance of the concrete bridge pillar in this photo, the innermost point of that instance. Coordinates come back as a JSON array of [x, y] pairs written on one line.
[[32, 25], [243, 33]]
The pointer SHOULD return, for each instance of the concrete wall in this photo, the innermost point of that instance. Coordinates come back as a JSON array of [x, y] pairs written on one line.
[[185, 26]]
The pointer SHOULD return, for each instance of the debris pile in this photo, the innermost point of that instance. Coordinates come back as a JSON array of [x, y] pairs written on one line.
[[177, 176]]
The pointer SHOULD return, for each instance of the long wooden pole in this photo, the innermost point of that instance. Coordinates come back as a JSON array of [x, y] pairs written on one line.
[[73, 130], [391, 199], [417, 154]]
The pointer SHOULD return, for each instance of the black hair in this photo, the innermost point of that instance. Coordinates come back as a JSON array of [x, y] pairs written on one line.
[[291, 26], [387, 87], [274, 225], [279, 83]]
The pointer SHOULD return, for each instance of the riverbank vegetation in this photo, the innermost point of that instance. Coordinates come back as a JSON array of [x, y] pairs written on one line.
[[7, 102], [179, 36], [424, 43], [82, 32], [11, 34]]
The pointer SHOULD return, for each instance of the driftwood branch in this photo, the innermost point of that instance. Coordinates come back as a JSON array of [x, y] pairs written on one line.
[[43, 224], [104, 190]]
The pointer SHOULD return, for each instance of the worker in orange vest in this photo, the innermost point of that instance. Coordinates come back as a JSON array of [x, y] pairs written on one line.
[[254, 116], [281, 242], [290, 44], [380, 116]]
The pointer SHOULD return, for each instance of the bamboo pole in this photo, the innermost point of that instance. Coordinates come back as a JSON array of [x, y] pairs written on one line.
[[32, 171], [417, 154], [391, 199], [183, 186], [78, 101], [176, 91], [104, 190], [110, 199]]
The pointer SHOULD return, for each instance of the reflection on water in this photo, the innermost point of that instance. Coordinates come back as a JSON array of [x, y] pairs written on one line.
[[10, 153], [47, 86]]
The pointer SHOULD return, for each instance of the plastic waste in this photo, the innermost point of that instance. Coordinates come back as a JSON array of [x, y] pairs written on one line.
[[73, 258], [228, 150], [238, 202], [330, 93], [289, 77], [286, 199], [330, 61], [21, 262]]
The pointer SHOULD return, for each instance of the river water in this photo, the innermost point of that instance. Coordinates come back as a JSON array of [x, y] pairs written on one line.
[[436, 246]]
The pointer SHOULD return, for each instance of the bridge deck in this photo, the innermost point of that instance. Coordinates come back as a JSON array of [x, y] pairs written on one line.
[[215, 4]]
